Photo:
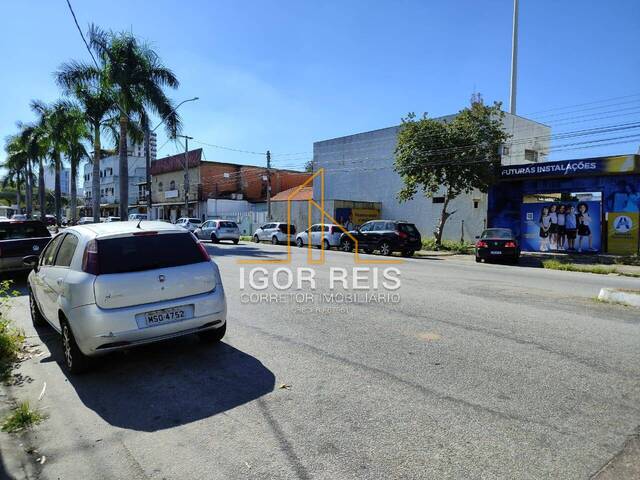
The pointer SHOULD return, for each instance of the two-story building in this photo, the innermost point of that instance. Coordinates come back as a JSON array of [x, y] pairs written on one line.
[[208, 180]]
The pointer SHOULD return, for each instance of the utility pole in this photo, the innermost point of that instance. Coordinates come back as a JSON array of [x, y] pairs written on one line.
[[186, 173], [268, 185], [147, 159], [514, 60]]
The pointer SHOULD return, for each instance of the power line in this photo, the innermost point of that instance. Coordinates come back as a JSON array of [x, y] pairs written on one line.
[[73, 14]]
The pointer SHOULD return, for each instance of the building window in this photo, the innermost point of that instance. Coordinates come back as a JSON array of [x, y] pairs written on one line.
[[160, 186], [531, 156], [505, 150], [437, 200], [172, 185], [476, 203]]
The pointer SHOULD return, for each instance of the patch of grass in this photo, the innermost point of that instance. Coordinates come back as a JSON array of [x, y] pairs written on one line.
[[246, 238], [628, 260], [11, 338], [447, 245], [572, 267], [21, 418]]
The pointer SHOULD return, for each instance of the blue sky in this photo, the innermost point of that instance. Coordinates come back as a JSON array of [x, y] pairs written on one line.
[[280, 75]]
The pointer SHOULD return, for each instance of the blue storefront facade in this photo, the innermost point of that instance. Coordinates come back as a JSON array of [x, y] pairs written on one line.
[[570, 205]]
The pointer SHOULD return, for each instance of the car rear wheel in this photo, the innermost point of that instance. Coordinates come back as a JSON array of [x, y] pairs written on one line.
[[36, 316], [346, 246], [299, 242], [235, 242], [385, 249], [327, 245], [213, 335], [214, 239], [274, 240], [74, 359], [256, 239], [478, 259]]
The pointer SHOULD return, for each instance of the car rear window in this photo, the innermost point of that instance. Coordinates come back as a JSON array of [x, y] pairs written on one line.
[[497, 233], [147, 252], [228, 225], [195, 220], [408, 228], [16, 231], [283, 228]]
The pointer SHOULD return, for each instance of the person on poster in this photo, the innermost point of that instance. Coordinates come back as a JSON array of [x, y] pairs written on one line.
[[571, 226], [553, 229], [545, 225], [584, 226], [561, 227]]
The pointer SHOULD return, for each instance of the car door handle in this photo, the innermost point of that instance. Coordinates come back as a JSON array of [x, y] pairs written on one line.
[[59, 281]]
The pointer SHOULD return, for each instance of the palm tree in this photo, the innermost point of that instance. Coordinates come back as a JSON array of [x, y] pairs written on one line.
[[86, 84], [137, 77], [41, 139], [33, 141], [16, 166], [76, 132]]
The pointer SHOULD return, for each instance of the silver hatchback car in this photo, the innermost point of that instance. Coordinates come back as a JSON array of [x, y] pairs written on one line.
[[109, 286], [216, 230]]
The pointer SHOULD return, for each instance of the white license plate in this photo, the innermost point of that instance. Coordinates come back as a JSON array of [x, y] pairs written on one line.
[[496, 252], [167, 315]]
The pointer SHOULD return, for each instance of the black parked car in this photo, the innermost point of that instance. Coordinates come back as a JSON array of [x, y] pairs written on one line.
[[497, 244], [386, 236], [19, 239]]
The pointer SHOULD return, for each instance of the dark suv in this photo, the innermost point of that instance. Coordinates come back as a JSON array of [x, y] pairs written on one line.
[[386, 236]]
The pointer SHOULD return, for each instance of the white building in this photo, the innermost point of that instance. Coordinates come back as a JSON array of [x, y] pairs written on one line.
[[359, 168], [137, 150], [110, 183], [50, 179]]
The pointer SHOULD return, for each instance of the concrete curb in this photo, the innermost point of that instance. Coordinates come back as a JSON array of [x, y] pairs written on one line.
[[620, 296]]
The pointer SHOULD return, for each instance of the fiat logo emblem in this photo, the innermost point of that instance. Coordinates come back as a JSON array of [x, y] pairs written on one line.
[[161, 278]]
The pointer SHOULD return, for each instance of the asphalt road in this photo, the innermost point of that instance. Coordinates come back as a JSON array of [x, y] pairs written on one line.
[[476, 371]]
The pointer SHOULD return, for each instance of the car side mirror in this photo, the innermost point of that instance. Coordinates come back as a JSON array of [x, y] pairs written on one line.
[[31, 261]]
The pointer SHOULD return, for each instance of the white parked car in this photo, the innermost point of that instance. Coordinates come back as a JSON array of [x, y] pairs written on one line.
[[109, 286], [112, 219], [327, 234], [216, 230], [137, 216], [276, 233], [189, 223]]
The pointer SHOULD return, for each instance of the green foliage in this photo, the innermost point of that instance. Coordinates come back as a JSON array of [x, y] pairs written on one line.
[[572, 267], [628, 260], [446, 245], [11, 338], [22, 417]]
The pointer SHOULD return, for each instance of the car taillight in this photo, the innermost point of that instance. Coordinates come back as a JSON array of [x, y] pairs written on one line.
[[510, 245], [203, 251], [481, 244], [90, 258]]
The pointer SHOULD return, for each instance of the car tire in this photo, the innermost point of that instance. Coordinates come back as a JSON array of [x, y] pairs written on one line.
[[74, 360], [478, 259], [36, 315], [385, 249], [346, 246], [274, 240], [214, 239], [327, 245], [214, 335], [408, 253], [299, 242], [235, 242], [256, 239]]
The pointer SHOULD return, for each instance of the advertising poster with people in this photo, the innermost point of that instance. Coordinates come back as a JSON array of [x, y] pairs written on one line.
[[563, 226]]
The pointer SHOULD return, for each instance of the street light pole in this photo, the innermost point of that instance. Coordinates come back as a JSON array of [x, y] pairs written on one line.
[[147, 152], [514, 60]]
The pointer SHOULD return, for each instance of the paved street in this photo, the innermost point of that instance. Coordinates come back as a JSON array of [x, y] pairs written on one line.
[[479, 371]]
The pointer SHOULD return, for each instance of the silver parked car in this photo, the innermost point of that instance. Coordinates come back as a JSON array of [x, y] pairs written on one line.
[[327, 234], [216, 230], [189, 223], [276, 233], [108, 286]]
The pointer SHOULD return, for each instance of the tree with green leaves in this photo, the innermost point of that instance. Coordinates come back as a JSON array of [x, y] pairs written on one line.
[[75, 135], [15, 165], [32, 140], [136, 77], [450, 157]]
